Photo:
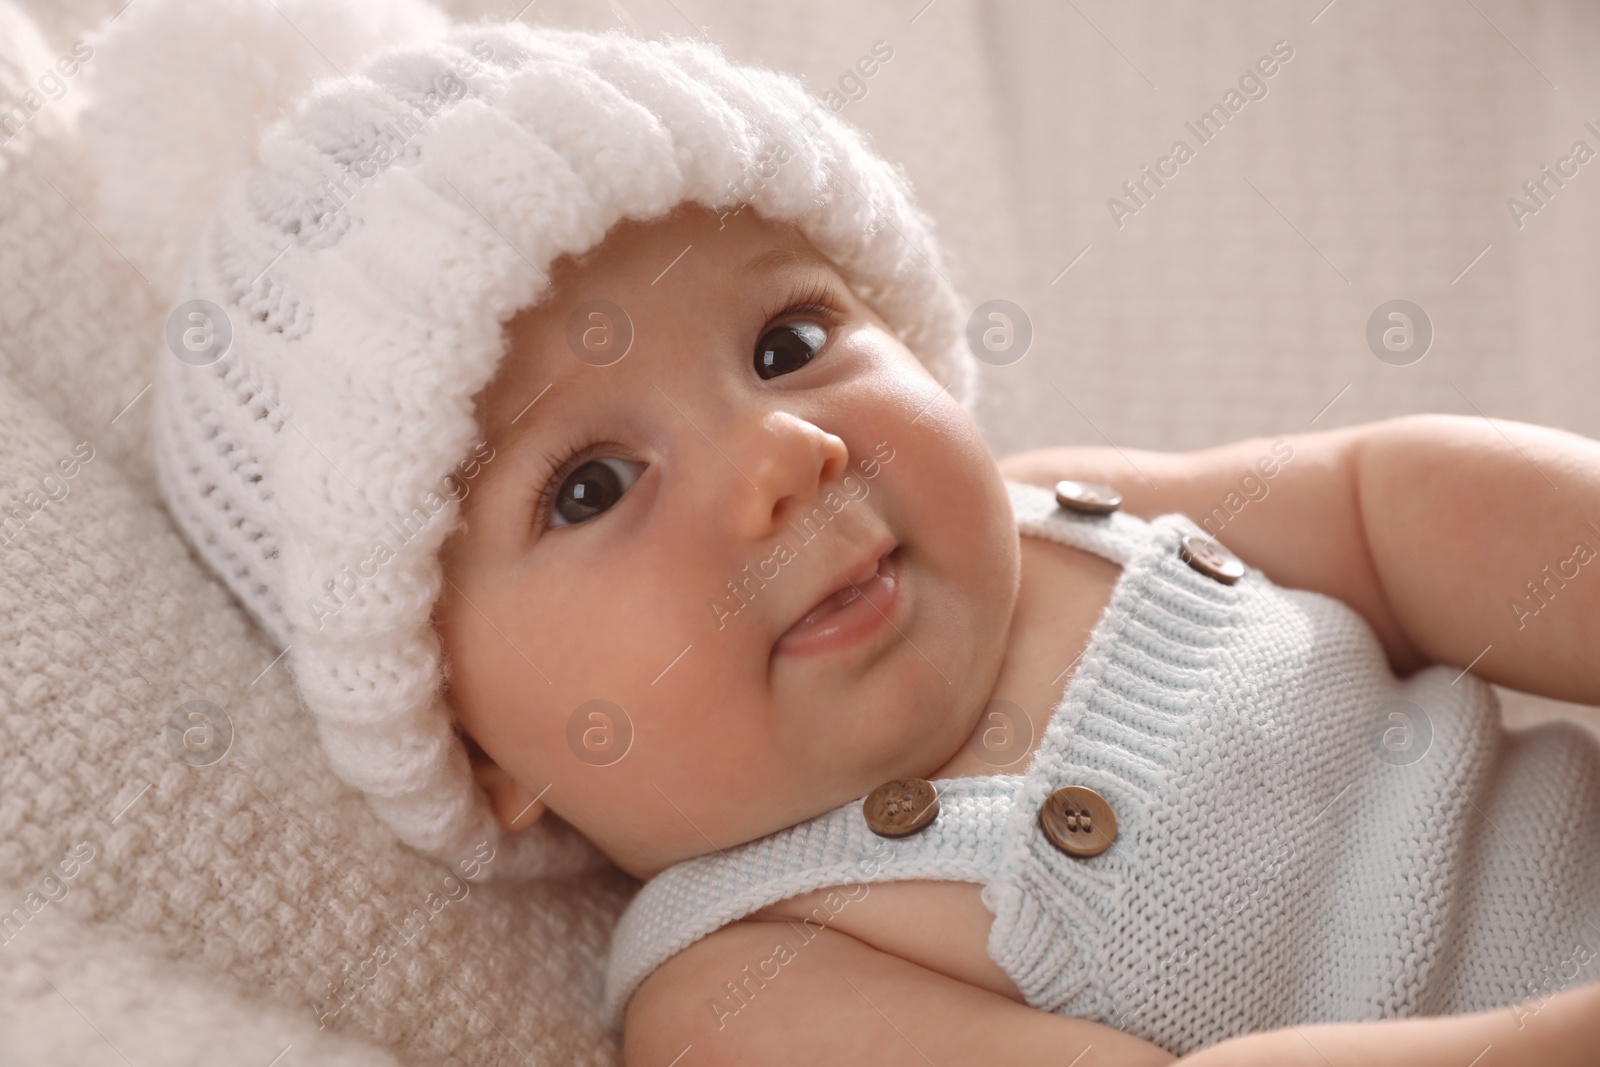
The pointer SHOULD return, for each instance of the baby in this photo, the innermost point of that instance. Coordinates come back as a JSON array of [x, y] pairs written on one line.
[[590, 492], [597, 554]]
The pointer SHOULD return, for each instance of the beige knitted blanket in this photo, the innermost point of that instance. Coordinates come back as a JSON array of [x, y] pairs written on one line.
[[239, 904]]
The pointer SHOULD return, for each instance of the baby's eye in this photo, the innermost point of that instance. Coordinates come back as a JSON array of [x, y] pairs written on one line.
[[788, 347], [591, 488]]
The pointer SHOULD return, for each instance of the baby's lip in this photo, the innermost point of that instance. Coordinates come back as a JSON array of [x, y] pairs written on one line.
[[858, 572]]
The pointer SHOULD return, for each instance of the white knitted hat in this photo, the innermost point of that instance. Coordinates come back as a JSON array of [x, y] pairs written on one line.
[[366, 260]]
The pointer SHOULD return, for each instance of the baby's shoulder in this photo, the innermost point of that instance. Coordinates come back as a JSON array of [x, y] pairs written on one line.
[[664, 992], [711, 997]]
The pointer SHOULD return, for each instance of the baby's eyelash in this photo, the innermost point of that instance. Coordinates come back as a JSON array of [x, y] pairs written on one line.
[[817, 298]]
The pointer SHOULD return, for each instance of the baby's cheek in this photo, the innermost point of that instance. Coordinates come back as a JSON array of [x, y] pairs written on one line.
[[695, 773]]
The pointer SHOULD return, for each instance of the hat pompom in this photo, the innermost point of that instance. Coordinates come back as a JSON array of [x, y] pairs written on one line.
[[182, 93]]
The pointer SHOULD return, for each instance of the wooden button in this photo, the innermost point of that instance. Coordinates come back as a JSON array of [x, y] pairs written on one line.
[[1088, 497], [1209, 557], [1078, 821], [900, 807]]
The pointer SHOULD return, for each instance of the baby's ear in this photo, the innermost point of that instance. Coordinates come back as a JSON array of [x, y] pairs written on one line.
[[514, 807]]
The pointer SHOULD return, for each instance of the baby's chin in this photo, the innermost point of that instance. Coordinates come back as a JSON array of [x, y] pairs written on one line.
[[853, 752], [853, 748]]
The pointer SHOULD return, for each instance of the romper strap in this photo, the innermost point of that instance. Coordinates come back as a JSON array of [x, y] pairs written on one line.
[[698, 896], [1116, 536]]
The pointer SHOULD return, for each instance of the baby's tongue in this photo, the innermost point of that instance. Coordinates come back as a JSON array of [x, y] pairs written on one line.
[[821, 612]]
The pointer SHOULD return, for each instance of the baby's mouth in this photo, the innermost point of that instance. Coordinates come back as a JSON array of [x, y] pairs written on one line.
[[861, 604]]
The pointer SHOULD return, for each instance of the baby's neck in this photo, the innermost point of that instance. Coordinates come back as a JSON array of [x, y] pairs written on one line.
[[1064, 591]]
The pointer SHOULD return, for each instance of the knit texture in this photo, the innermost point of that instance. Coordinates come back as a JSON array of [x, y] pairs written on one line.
[[74, 302], [365, 259], [257, 881], [1288, 851], [232, 909]]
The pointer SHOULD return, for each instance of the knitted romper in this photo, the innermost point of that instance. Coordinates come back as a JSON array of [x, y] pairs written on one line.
[[1301, 836]]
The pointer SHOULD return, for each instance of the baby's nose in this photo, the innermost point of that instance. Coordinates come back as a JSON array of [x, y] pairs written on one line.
[[783, 461]]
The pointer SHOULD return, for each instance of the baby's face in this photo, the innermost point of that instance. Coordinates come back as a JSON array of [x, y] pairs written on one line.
[[654, 532]]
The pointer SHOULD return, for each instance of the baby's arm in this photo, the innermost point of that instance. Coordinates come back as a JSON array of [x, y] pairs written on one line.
[[841, 1002], [1563, 1031], [1430, 526]]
